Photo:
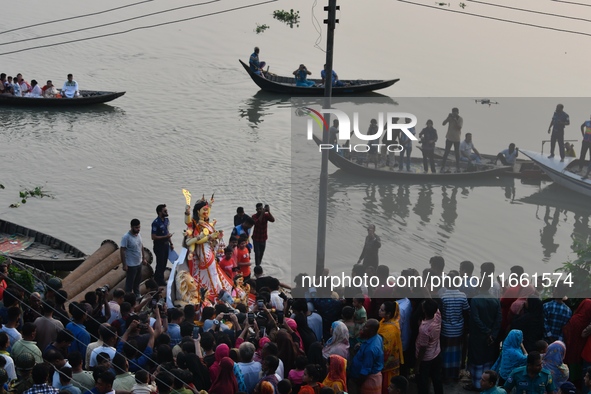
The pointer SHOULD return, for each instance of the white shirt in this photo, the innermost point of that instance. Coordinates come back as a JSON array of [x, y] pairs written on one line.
[[9, 367], [466, 148], [115, 311], [70, 89], [276, 301], [104, 348]]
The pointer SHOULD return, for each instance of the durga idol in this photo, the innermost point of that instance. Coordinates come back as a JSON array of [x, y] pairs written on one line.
[[201, 239]]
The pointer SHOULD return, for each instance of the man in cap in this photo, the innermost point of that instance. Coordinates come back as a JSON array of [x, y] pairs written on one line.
[[532, 378], [567, 388]]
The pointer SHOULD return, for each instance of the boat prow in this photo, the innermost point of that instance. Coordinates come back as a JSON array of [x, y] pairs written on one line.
[[566, 173]]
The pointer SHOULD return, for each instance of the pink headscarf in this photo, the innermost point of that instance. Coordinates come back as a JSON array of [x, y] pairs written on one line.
[[262, 342], [294, 326], [220, 352]]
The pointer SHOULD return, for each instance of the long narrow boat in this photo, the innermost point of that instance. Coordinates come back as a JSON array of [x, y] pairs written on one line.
[[37, 249], [565, 173], [286, 85], [522, 169], [467, 171], [87, 97]]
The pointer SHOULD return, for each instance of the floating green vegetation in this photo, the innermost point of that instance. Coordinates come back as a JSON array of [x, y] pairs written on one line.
[[37, 192], [261, 28], [290, 17], [577, 273]]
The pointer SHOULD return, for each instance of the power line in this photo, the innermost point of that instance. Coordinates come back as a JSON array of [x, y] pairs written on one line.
[[499, 19], [139, 28], [531, 11], [572, 2], [110, 23], [75, 17]]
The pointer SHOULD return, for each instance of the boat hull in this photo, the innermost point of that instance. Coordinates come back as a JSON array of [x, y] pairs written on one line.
[[286, 85], [88, 97], [37, 249], [477, 172], [561, 173]]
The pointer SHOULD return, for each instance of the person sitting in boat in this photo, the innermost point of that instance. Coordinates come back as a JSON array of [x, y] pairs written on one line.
[[35, 90], [25, 87], [70, 88], [508, 156], [335, 77], [301, 76], [569, 150], [256, 66], [49, 91], [466, 148], [16, 88]]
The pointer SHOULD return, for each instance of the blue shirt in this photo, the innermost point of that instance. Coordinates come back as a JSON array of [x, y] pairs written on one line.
[[405, 315], [494, 390], [160, 229], [254, 62], [556, 315], [519, 379], [133, 249], [369, 359], [174, 330], [81, 338], [334, 76]]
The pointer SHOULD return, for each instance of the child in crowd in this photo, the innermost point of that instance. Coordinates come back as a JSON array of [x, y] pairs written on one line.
[[360, 315], [347, 318], [310, 379], [243, 257], [141, 385], [284, 387], [541, 346], [296, 375], [228, 263]]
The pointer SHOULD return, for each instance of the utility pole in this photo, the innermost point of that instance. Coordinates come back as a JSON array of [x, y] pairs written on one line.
[[323, 192]]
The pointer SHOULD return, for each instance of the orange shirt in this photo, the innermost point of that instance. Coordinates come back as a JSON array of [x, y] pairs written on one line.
[[244, 261], [227, 266]]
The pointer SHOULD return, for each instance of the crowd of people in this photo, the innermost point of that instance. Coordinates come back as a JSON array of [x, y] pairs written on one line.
[[19, 87], [380, 339]]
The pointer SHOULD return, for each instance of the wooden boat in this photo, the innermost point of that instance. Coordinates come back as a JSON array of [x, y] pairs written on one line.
[[522, 169], [565, 173], [87, 97], [467, 171], [37, 249], [286, 85]]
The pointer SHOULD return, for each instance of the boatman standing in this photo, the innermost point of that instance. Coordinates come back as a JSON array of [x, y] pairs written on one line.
[[70, 88], [557, 124], [162, 242], [453, 137]]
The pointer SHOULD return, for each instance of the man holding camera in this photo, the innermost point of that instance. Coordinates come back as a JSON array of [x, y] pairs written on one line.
[[259, 236], [453, 136]]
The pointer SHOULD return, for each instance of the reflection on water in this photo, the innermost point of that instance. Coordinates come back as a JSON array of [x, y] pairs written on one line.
[[559, 206], [44, 122], [255, 108]]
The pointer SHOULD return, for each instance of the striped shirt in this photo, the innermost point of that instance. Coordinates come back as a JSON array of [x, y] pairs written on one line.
[[556, 315], [453, 303]]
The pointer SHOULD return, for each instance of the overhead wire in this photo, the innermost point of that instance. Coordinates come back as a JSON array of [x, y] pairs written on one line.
[[572, 2], [139, 28], [530, 11], [317, 27], [110, 23], [75, 17], [72, 305], [498, 19]]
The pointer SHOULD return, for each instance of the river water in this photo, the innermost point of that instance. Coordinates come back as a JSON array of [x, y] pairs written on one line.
[[191, 118]]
